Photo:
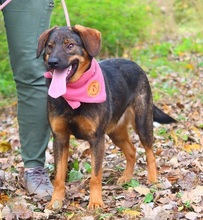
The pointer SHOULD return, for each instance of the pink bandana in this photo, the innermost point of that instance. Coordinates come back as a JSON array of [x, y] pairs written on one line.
[[90, 88]]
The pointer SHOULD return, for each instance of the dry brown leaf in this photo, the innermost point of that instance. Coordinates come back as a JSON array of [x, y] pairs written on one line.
[[158, 151], [164, 184], [156, 213], [142, 190], [194, 195], [22, 211], [4, 198], [173, 176]]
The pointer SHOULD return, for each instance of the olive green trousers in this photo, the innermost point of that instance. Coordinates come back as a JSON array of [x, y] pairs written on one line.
[[24, 21]]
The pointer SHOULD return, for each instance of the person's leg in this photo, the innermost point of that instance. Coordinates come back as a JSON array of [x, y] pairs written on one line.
[[25, 20]]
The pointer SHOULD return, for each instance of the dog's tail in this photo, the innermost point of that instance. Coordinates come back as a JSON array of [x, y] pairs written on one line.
[[161, 117]]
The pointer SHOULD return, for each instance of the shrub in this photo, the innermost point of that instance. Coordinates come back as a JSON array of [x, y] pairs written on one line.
[[121, 23]]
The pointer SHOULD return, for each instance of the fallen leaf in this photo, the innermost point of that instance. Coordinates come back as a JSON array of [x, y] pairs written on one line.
[[40, 215], [191, 216], [142, 190], [201, 141], [197, 208], [87, 218], [148, 198], [133, 213], [173, 176], [164, 200], [189, 180], [164, 184], [6, 211], [158, 213], [4, 198], [194, 195], [22, 211], [190, 66], [175, 137], [5, 146], [191, 147], [69, 215]]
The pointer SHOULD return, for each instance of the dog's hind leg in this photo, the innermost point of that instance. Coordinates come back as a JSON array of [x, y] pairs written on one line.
[[145, 135], [144, 128], [120, 138]]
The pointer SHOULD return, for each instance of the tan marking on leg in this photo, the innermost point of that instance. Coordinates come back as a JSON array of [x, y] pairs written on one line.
[[151, 165], [59, 183], [121, 139], [61, 150], [95, 186]]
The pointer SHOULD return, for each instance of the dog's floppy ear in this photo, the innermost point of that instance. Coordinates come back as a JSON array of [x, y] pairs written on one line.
[[91, 39], [43, 39]]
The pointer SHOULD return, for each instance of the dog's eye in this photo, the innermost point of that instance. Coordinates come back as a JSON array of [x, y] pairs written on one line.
[[50, 46], [70, 46]]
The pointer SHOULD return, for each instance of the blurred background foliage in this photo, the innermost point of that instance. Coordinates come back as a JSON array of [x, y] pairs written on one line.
[[141, 30]]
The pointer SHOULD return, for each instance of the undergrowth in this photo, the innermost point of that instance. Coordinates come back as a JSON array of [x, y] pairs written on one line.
[[131, 30]]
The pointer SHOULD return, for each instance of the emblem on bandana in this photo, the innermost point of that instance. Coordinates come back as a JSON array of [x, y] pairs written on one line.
[[93, 88]]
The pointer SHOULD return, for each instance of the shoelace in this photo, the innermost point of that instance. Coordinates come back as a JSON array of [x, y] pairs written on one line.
[[39, 176]]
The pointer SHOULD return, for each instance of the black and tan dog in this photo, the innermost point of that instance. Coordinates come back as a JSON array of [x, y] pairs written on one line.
[[90, 99]]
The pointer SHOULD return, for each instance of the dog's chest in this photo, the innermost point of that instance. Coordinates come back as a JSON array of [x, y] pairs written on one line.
[[82, 127]]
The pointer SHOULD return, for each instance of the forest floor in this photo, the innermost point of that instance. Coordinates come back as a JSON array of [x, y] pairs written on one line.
[[179, 155]]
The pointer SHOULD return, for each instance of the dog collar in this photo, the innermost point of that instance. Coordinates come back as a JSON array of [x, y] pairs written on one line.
[[90, 88]]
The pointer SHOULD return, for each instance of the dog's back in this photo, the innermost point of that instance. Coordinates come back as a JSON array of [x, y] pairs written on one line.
[[126, 82]]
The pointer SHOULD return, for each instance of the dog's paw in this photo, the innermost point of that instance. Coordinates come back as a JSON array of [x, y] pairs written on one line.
[[152, 181], [55, 205], [123, 179], [95, 205]]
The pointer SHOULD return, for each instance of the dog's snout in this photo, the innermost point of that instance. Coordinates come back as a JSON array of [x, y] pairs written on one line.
[[53, 62]]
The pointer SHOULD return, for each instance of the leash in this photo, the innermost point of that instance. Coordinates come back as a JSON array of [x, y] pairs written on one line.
[[66, 12], [4, 4]]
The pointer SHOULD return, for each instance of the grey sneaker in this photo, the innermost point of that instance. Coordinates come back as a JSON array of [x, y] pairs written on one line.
[[37, 182]]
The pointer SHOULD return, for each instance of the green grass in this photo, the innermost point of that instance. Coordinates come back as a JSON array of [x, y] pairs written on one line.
[[7, 85], [167, 62]]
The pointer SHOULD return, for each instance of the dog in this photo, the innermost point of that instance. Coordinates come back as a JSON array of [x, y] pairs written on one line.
[[89, 99]]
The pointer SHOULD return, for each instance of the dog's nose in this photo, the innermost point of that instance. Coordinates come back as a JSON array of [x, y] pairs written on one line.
[[53, 62]]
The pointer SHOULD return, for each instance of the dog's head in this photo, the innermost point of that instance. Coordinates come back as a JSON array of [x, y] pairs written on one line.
[[69, 49]]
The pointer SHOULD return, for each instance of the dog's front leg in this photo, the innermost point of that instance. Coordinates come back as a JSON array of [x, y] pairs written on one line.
[[97, 154], [61, 159]]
